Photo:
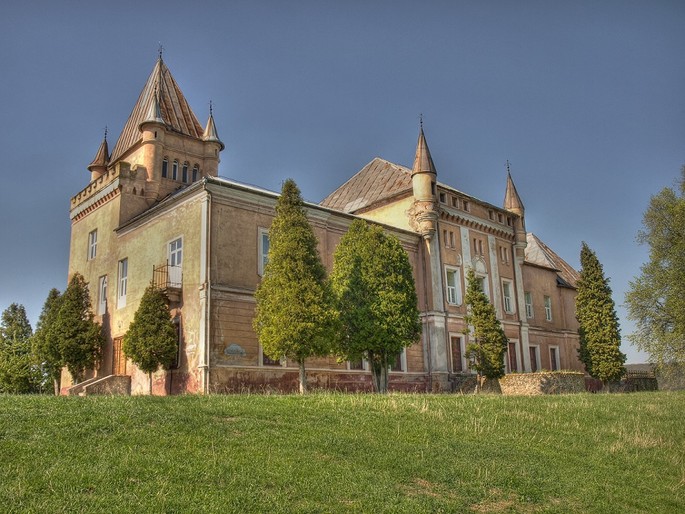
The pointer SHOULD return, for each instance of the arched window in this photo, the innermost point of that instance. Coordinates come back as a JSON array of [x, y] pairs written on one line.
[[196, 172], [165, 168], [185, 173], [174, 170]]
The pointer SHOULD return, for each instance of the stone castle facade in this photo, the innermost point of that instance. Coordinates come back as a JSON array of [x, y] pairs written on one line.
[[156, 210]]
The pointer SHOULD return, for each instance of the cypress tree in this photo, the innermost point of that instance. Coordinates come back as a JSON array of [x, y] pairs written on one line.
[[487, 342], [76, 333], [375, 295], [294, 313], [17, 372], [151, 340], [600, 338], [46, 349]]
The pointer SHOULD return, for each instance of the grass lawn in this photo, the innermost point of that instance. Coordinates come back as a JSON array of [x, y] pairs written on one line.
[[344, 453]]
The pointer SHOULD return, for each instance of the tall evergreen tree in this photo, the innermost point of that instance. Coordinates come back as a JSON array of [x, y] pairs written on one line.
[[294, 312], [78, 336], [151, 340], [487, 342], [376, 299], [600, 338], [17, 372], [45, 345], [656, 299]]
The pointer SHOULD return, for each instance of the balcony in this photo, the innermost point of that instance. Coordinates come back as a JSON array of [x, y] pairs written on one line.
[[169, 279]]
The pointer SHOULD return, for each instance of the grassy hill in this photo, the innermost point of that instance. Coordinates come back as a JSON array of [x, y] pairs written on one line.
[[343, 453]]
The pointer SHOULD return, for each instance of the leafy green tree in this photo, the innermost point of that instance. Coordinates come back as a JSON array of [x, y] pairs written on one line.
[[151, 340], [17, 372], [487, 342], [375, 295], [656, 299], [78, 336], [294, 312], [45, 345], [600, 338]]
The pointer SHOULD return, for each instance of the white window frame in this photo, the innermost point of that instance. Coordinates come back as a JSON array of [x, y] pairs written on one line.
[[464, 361], [486, 285], [102, 295], [92, 244], [557, 360], [403, 363], [528, 299], [548, 308], [262, 257], [175, 252], [122, 283], [453, 291], [365, 366], [508, 299]]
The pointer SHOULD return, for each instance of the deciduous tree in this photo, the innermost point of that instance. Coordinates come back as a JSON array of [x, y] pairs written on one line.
[[600, 338], [45, 345], [151, 340], [376, 299], [294, 312], [77, 334], [487, 342], [656, 299], [18, 374]]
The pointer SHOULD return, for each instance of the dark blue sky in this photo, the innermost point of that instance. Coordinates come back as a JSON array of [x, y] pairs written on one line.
[[584, 98]]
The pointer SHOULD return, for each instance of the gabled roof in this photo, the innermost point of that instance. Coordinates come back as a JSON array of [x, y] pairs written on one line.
[[377, 181], [173, 107], [538, 253]]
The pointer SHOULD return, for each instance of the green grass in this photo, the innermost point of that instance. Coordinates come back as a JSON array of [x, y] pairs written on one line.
[[343, 453]]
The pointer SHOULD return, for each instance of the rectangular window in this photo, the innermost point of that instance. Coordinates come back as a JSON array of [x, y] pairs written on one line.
[[500, 218], [504, 254], [453, 286], [455, 202], [548, 308], [511, 355], [554, 358], [268, 361], [452, 240], [195, 172], [165, 166], [356, 365], [443, 198], [529, 304], [534, 358], [508, 296], [263, 256], [102, 295], [92, 244], [123, 283], [184, 173], [444, 238], [465, 205], [400, 362], [457, 352], [174, 170], [176, 262]]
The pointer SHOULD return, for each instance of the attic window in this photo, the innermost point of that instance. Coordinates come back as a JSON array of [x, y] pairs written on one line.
[[465, 205], [491, 214], [455, 202], [443, 198], [509, 220], [500, 218]]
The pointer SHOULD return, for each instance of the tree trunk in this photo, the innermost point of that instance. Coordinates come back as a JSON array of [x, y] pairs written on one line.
[[57, 385], [303, 377], [150, 375], [379, 374]]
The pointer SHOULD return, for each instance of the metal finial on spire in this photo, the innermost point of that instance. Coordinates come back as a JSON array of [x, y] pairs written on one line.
[[421, 120], [210, 107], [105, 132], [508, 170], [160, 50]]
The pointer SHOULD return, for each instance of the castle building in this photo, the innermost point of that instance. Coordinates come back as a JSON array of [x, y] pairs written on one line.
[[156, 210]]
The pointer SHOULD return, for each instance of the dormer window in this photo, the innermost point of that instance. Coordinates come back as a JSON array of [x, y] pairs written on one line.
[[165, 168], [184, 174], [174, 171]]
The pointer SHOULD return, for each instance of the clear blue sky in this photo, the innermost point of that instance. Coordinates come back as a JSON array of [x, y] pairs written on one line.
[[584, 98]]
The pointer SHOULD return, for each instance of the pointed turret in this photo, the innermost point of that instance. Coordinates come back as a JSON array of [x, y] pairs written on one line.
[[98, 167], [154, 114], [210, 133], [424, 211], [512, 200]]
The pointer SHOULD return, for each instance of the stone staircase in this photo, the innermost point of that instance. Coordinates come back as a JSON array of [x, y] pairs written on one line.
[[109, 385]]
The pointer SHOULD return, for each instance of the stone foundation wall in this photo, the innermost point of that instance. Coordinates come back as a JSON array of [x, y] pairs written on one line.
[[546, 382]]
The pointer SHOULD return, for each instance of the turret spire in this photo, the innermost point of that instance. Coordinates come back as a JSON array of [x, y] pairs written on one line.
[[512, 200], [423, 162], [210, 133], [98, 167]]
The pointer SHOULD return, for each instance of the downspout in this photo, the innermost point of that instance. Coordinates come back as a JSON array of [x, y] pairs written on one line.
[[206, 290]]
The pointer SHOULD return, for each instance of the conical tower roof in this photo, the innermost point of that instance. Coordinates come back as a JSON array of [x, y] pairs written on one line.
[[171, 106], [101, 159], [512, 200], [210, 133], [423, 162]]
